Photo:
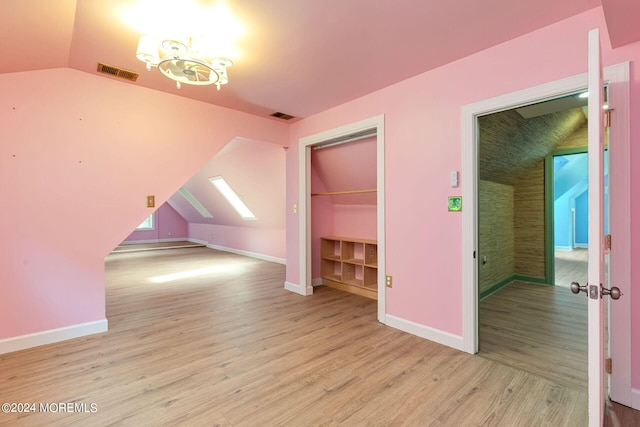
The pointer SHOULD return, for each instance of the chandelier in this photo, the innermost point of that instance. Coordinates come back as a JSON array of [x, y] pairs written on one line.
[[183, 62]]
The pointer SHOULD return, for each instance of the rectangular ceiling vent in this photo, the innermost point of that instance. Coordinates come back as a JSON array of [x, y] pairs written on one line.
[[120, 73], [282, 116]]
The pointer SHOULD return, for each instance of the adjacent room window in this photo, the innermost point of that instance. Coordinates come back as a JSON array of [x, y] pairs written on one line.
[[232, 197], [147, 224]]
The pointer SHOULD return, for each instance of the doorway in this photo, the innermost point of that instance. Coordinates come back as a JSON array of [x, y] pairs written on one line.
[[617, 77], [371, 126], [567, 194], [568, 200], [524, 321]]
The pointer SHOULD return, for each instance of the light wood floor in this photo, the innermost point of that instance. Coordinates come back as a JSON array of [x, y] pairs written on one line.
[[571, 266], [538, 329], [229, 346]]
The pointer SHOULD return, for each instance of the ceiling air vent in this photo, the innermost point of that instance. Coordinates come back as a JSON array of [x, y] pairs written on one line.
[[121, 73], [282, 116]]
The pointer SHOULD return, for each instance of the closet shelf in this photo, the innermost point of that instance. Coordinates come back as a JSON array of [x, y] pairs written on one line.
[[339, 193]]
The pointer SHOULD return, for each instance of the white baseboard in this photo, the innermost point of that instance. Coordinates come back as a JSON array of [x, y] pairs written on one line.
[[635, 398], [563, 248], [436, 335], [138, 242], [198, 241], [249, 254], [317, 281], [582, 245], [22, 342], [292, 287]]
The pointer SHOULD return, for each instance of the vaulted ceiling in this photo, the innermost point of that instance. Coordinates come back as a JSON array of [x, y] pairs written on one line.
[[298, 57]]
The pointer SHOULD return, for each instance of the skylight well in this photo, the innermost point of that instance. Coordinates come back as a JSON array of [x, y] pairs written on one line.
[[232, 197]]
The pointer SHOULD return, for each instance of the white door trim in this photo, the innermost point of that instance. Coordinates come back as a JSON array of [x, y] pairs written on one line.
[[619, 174], [304, 178]]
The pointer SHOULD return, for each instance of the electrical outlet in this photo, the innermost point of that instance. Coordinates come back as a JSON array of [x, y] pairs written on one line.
[[389, 281]]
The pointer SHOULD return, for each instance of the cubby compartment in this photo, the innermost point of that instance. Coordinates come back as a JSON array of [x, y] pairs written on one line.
[[331, 269], [371, 255], [370, 278], [331, 249]]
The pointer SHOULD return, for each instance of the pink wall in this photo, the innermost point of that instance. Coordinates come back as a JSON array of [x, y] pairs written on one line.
[[321, 220], [423, 144], [167, 224], [87, 150], [358, 221], [269, 243]]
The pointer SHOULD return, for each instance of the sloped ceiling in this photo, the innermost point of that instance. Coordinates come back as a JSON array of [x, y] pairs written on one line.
[[510, 145], [346, 167], [255, 170], [298, 57], [622, 21]]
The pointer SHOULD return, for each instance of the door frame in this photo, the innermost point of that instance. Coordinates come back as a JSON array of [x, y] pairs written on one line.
[[304, 179], [549, 212], [617, 77]]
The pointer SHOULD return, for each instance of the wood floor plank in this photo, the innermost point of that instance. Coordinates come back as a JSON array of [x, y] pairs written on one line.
[[228, 346], [538, 329]]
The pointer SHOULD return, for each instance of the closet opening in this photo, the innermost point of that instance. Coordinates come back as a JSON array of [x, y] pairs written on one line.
[[342, 211]]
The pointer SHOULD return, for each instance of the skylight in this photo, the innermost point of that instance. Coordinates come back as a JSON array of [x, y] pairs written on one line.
[[232, 197], [195, 203]]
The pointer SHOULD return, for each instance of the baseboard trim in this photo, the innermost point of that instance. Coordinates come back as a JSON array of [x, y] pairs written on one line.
[[487, 292], [23, 342], [431, 334], [138, 242], [564, 248], [316, 282], [249, 254], [295, 288], [635, 398], [582, 245], [198, 241]]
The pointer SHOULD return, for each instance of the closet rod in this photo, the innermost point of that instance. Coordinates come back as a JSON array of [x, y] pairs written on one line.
[[337, 193]]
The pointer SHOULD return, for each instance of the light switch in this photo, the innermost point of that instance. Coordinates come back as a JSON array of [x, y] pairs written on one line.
[[295, 208], [454, 179]]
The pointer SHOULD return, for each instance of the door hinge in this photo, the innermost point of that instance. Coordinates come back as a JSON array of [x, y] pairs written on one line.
[[607, 242], [606, 119], [608, 365]]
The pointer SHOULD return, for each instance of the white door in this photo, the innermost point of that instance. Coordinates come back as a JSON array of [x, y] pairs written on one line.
[[596, 288], [597, 390]]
